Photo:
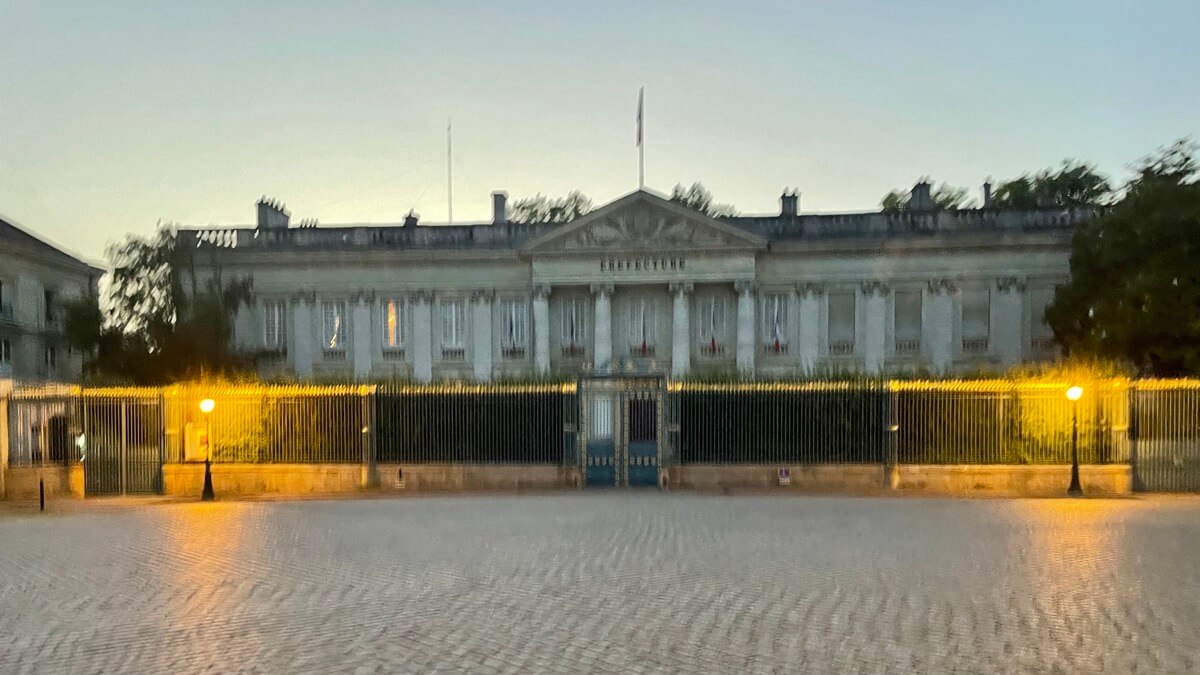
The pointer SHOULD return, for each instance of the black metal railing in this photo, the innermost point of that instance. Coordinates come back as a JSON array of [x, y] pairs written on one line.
[[497, 424]]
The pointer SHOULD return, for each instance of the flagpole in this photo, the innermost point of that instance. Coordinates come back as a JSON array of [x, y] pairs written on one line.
[[641, 166], [640, 140]]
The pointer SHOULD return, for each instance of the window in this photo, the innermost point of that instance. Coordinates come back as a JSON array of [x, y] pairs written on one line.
[[841, 323], [1041, 337], [976, 307], [5, 351], [336, 327], [48, 298], [393, 326], [712, 325], [908, 321], [641, 327], [514, 328], [774, 323], [574, 326], [275, 324], [453, 329], [51, 356]]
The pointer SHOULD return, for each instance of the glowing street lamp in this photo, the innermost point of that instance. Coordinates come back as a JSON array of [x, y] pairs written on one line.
[[206, 407], [1075, 393]]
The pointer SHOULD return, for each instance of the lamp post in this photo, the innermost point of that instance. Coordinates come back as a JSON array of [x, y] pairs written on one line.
[[1073, 395], [206, 407]]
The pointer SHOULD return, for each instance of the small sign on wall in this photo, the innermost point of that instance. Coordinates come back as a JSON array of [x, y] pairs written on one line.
[[785, 476], [195, 446]]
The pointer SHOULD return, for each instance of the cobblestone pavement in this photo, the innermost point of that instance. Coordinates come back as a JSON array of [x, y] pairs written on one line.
[[612, 582]]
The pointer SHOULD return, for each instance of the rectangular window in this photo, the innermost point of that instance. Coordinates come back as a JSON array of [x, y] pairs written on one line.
[[574, 326], [48, 297], [514, 328], [393, 325], [453, 330], [1040, 334], [712, 325], [51, 356], [841, 323], [275, 324], [774, 323], [336, 327], [976, 320], [641, 327], [5, 351], [908, 321]]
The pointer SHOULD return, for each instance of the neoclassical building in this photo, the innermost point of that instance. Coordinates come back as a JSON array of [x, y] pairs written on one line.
[[643, 284], [37, 280]]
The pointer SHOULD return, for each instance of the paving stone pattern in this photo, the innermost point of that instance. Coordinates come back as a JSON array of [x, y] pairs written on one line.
[[619, 582]]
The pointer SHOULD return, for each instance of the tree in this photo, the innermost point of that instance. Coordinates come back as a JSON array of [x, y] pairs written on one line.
[[1073, 183], [894, 202], [161, 324], [945, 196], [542, 209], [1135, 273], [699, 198]]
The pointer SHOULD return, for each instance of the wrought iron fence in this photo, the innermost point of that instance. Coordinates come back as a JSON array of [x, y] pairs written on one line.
[[1166, 432], [1004, 422], [818, 423], [270, 424], [477, 424], [42, 424], [124, 434]]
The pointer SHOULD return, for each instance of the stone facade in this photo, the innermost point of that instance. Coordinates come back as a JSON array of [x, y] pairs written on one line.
[[643, 284], [36, 281]]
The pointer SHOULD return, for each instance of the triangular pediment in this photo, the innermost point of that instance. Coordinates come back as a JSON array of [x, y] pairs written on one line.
[[643, 221]]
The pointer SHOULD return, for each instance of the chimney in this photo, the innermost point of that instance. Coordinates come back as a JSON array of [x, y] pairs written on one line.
[[272, 214], [987, 194], [499, 207], [411, 219], [921, 197], [790, 204]]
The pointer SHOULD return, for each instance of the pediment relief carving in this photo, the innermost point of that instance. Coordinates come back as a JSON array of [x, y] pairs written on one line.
[[644, 227]]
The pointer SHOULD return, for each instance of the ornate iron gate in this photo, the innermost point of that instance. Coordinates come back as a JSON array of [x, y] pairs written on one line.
[[621, 430], [124, 444]]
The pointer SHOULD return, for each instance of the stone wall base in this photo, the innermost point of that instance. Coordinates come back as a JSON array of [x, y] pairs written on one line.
[[450, 477], [816, 477], [1025, 480], [239, 480], [62, 482]]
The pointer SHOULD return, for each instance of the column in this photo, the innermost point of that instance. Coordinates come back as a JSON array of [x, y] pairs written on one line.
[[481, 335], [937, 326], [681, 342], [602, 339], [746, 346], [360, 334], [809, 319], [302, 334], [874, 325], [422, 339], [1005, 333], [541, 329]]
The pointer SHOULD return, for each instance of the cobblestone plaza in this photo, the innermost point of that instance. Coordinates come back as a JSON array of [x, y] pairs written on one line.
[[604, 582]]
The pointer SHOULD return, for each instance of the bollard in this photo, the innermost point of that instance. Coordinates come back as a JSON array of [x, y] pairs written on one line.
[[41, 494]]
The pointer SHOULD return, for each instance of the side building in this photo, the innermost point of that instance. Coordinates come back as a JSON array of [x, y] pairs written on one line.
[[643, 284], [36, 280]]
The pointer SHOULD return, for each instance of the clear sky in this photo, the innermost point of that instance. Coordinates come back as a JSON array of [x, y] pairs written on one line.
[[116, 114]]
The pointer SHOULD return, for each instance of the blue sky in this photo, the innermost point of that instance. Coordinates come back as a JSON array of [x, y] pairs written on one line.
[[114, 115]]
